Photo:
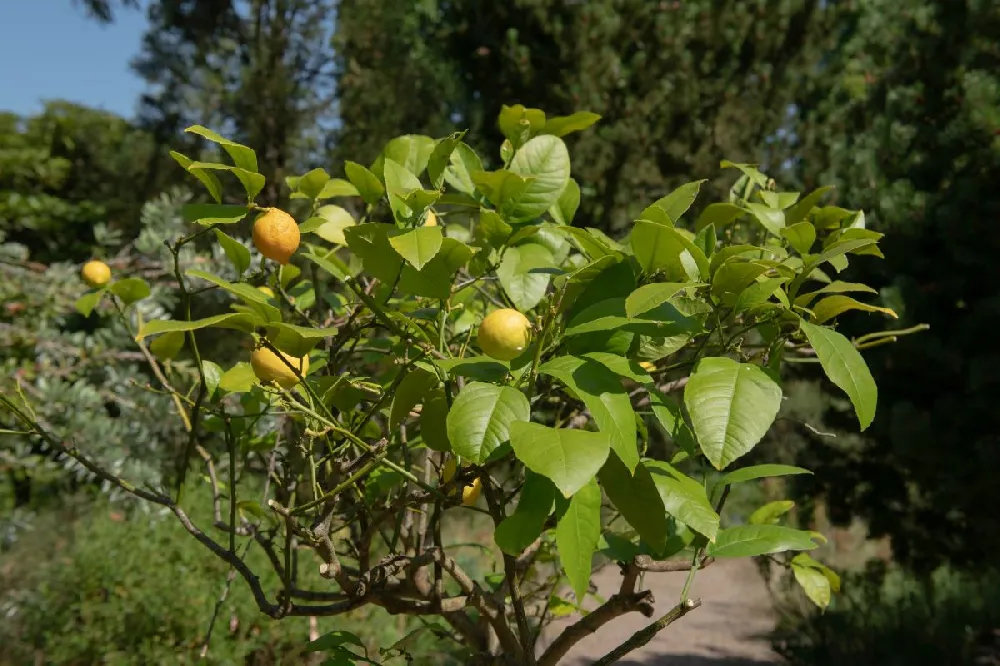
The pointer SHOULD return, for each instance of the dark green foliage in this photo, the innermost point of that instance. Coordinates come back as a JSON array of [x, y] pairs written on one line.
[[905, 121], [893, 619]]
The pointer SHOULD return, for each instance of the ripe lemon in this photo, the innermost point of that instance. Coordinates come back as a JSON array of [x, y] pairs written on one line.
[[471, 492], [266, 291], [96, 273], [276, 235], [270, 368], [431, 220], [648, 366], [448, 472], [504, 334]]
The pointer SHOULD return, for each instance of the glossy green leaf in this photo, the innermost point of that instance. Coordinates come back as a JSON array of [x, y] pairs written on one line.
[[759, 292], [620, 365], [367, 183], [754, 540], [771, 219], [718, 214], [242, 156], [297, 340], [482, 368], [650, 296], [658, 247], [168, 345], [410, 151], [846, 368], [233, 320], [749, 170], [417, 384], [440, 158], [312, 183], [577, 534], [564, 209], [338, 187], [434, 420], [237, 253], [801, 210], [520, 275], [212, 372], [238, 379], [801, 236], [207, 178], [563, 125], [835, 287], [731, 406], [208, 214], [518, 530], [674, 205], [569, 458], [668, 414], [86, 303], [480, 419], [545, 160], [684, 498], [252, 182], [760, 472], [462, 163], [329, 223], [831, 306], [638, 500], [733, 278], [814, 583], [601, 391], [492, 231], [770, 513], [130, 290], [609, 315], [519, 124], [417, 246], [253, 297]]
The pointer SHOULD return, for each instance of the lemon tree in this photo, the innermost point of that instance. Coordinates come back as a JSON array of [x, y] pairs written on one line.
[[433, 336]]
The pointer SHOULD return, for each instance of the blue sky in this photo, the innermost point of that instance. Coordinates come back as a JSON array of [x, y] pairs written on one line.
[[50, 49]]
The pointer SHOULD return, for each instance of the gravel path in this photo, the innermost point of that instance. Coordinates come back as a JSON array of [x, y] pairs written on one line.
[[730, 628]]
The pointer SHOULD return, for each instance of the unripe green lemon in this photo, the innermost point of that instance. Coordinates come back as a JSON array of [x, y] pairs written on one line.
[[96, 273], [270, 368], [504, 334]]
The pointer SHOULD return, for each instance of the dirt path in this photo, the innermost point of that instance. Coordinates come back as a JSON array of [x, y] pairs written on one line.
[[729, 629]]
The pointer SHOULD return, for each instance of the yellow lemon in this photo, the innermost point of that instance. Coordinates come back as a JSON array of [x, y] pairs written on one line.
[[266, 291], [504, 334], [648, 366], [276, 235], [431, 220], [471, 492], [270, 368], [96, 273], [448, 472]]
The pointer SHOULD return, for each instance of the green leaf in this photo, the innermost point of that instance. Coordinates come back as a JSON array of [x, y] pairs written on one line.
[[253, 297], [312, 183], [433, 421], [207, 178], [168, 345], [846, 368], [609, 315], [771, 219], [563, 125], [520, 277], [480, 419], [674, 205], [831, 306], [801, 236], [492, 230], [754, 540], [482, 368], [661, 248], [718, 214], [835, 287], [521, 528], [252, 182], [620, 365], [130, 290], [417, 246], [399, 180], [760, 472], [242, 156], [212, 372], [577, 534], [684, 498], [297, 340], [415, 385], [208, 214], [733, 278], [706, 240], [333, 640], [814, 583], [503, 188], [519, 124], [749, 170], [731, 405], [233, 320], [771, 512], [238, 379], [668, 415], [337, 187], [329, 263], [800, 211], [569, 458], [651, 296], [329, 224], [410, 151], [760, 292], [545, 160], [440, 158], [636, 497], [368, 184], [463, 163], [607, 401], [564, 209], [86, 303], [236, 252]]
